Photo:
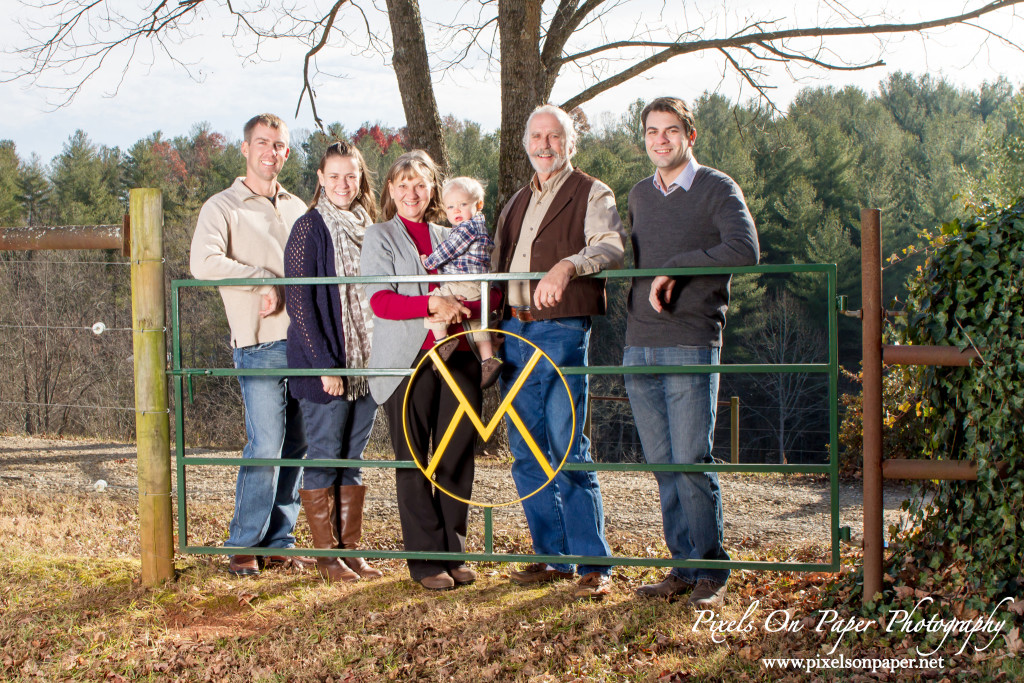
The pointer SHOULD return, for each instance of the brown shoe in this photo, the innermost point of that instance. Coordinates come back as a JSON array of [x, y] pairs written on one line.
[[322, 516], [350, 523], [243, 565], [668, 587], [707, 594], [463, 575], [490, 370], [438, 582], [362, 567], [537, 572], [593, 586], [288, 561]]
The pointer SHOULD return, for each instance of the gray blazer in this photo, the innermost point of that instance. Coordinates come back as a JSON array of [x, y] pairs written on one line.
[[389, 250]]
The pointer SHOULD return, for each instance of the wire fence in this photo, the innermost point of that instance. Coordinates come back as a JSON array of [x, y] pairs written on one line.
[[67, 359], [63, 342]]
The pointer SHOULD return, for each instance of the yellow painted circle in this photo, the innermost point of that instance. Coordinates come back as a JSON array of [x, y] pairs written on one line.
[[506, 403]]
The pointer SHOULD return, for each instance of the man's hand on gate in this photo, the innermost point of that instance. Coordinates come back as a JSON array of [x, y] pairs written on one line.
[[552, 286]]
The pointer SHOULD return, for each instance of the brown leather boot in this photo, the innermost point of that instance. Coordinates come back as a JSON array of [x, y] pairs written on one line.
[[320, 505], [350, 520]]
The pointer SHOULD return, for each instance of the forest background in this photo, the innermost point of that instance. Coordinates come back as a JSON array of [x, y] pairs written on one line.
[[920, 149]]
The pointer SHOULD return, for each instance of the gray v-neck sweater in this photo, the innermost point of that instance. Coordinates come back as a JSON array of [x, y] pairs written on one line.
[[708, 225]]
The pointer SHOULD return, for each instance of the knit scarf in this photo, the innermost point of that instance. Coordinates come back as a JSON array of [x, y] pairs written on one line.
[[347, 229]]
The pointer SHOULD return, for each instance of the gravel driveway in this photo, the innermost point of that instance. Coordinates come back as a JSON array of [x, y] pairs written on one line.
[[789, 510]]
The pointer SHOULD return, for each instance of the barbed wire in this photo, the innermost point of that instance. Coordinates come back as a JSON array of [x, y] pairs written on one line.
[[67, 263], [58, 327], [64, 405]]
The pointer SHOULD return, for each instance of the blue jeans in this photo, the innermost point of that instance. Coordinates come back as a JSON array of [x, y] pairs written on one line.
[[675, 415], [566, 517], [336, 430], [267, 498]]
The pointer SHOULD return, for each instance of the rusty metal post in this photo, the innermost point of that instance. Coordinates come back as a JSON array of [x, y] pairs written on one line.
[[945, 470], [871, 305], [928, 355], [66, 237]]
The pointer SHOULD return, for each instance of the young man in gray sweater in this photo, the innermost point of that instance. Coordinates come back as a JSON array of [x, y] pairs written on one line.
[[685, 215]]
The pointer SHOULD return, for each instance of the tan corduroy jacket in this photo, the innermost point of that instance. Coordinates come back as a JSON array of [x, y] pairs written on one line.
[[241, 234]]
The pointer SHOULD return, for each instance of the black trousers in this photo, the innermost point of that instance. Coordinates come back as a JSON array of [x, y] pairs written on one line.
[[431, 519]]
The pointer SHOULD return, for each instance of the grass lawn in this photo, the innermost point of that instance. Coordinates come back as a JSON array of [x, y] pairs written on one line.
[[71, 608]]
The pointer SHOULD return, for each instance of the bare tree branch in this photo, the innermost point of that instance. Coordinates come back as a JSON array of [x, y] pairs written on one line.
[[474, 33], [758, 38], [1015, 45], [787, 56], [746, 73], [599, 40], [328, 23], [85, 59], [566, 20]]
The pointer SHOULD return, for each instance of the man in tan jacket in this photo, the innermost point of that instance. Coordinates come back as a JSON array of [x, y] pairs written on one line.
[[241, 233]]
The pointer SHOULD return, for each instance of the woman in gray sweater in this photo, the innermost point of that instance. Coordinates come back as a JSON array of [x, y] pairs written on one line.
[[433, 512]]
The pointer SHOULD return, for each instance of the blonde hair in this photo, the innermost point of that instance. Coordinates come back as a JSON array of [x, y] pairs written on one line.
[[471, 186], [416, 163]]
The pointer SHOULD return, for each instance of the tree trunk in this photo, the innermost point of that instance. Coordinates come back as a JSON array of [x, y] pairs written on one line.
[[523, 88], [422, 119]]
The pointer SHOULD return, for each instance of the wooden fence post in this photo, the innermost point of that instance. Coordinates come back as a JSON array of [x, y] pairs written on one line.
[[152, 420]]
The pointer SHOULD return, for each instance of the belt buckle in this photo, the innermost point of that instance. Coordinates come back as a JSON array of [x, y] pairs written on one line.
[[522, 314]]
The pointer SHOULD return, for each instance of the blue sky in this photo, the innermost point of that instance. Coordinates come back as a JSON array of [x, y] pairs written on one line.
[[158, 95]]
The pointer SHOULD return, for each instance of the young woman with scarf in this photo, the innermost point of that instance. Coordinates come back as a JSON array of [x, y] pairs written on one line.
[[332, 327]]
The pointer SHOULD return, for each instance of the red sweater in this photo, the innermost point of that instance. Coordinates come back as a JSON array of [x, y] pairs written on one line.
[[395, 306]]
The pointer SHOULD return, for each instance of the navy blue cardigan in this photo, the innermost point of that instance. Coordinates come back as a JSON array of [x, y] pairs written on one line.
[[315, 336]]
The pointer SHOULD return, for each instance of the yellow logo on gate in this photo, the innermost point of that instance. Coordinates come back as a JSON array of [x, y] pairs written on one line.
[[485, 431]]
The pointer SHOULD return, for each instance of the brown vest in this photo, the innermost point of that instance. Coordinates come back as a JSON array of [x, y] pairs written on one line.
[[560, 235]]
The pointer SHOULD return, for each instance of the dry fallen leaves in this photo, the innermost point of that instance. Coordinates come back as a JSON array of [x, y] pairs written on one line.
[[1013, 641], [246, 598]]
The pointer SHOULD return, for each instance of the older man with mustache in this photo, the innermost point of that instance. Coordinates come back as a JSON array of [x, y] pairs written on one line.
[[564, 223]]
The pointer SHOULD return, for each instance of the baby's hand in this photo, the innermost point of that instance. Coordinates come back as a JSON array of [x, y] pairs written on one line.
[[423, 260]]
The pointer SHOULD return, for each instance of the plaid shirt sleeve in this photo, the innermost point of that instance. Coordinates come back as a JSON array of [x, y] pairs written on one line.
[[458, 242]]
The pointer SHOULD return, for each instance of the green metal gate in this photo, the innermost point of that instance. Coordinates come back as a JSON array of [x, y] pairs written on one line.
[[183, 376]]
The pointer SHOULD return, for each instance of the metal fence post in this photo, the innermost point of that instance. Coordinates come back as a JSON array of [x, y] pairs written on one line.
[[871, 401], [152, 421]]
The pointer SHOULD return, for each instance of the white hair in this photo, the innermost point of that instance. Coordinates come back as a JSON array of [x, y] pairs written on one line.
[[471, 186], [568, 128]]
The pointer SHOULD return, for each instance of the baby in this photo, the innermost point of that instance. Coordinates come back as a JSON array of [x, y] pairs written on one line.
[[466, 251]]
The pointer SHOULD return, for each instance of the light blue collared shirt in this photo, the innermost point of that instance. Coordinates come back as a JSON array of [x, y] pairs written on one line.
[[684, 179]]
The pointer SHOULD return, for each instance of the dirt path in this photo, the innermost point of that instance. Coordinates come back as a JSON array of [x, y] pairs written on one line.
[[760, 510]]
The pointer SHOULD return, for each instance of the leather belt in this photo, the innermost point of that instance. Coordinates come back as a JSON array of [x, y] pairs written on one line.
[[523, 314]]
